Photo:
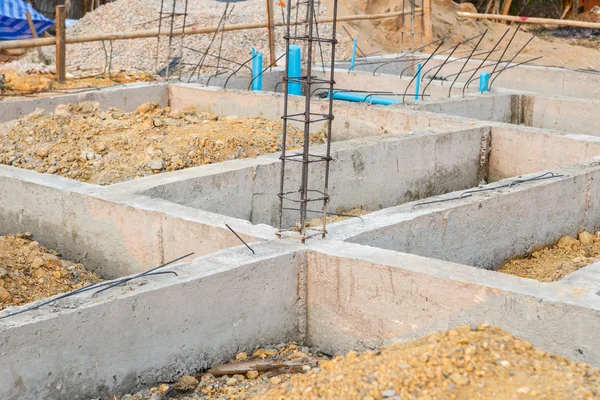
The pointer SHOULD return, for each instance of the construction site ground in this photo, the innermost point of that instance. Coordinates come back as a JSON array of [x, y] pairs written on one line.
[[31, 272], [468, 362], [91, 145]]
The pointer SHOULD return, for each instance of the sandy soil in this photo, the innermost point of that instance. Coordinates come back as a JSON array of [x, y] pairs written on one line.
[[385, 36], [555, 262], [30, 272], [88, 144], [469, 362], [27, 83], [344, 214]]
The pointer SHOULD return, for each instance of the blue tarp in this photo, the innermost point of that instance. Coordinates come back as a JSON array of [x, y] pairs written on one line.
[[13, 21]]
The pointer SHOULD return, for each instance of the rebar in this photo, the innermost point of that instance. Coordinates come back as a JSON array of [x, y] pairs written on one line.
[[304, 193], [420, 69], [511, 60], [484, 60], [466, 62]]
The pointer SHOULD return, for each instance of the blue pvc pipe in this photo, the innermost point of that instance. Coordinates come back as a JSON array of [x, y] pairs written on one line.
[[418, 84], [257, 62], [294, 70], [364, 98], [353, 59], [484, 79]]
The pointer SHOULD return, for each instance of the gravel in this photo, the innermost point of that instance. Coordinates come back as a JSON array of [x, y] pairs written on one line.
[[140, 54]]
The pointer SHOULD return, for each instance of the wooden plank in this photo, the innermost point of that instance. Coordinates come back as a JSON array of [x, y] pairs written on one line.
[[427, 24], [34, 34], [535, 21], [271, 33], [30, 43], [60, 44]]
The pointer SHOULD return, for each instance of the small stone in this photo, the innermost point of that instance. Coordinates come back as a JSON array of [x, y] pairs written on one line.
[[157, 122], [504, 363], [252, 374], [37, 263], [241, 356], [4, 295], [452, 333], [162, 389], [586, 238], [523, 390], [459, 379], [306, 368], [566, 241], [404, 366], [156, 165], [388, 393], [88, 107], [231, 381], [577, 259], [473, 327], [186, 383], [275, 380]]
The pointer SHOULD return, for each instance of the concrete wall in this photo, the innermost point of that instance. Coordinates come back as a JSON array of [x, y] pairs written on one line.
[[358, 297], [111, 235], [537, 79], [489, 228], [374, 172], [562, 114], [127, 338], [488, 107], [517, 150], [126, 97], [352, 120]]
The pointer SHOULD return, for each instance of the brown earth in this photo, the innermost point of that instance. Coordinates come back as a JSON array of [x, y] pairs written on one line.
[[30, 272], [83, 142], [553, 263], [384, 36], [469, 362], [23, 83], [346, 214], [479, 362]]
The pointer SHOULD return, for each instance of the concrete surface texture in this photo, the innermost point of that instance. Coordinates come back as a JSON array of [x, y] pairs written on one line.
[[457, 186]]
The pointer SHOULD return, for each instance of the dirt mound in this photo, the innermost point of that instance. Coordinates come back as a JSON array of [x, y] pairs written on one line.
[[555, 262], [33, 81], [477, 362], [384, 36], [469, 362], [88, 144], [30, 272]]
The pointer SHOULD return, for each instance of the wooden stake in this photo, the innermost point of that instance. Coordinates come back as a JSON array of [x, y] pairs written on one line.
[[60, 44], [535, 21], [506, 8], [427, 25], [34, 34], [564, 14], [271, 33], [489, 5], [30, 43]]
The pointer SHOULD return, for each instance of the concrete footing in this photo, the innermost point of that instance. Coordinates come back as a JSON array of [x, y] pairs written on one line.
[[454, 187]]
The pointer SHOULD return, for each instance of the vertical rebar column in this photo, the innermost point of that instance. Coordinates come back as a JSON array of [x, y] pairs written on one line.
[[305, 194]]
